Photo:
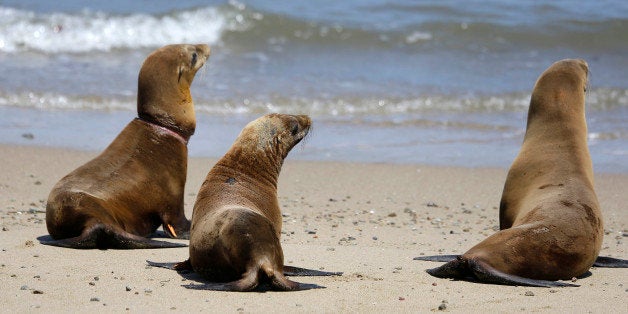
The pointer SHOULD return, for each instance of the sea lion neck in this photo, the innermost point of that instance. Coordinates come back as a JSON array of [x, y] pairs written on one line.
[[168, 123], [163, 129], [252, 165], [183, 123], [163, 87]]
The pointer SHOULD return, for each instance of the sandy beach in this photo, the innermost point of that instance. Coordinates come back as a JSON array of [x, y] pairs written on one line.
[[366, 220]]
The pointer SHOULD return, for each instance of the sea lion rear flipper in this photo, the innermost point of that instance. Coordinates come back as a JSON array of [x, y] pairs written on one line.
[[103, 237], [610, 262], [456, 268], [279, 282], [298, 271], [161, 265], [213, 286], [229, 286], [80, 242], [437, 258], [181, 267], [250, 281], [477, 270], [485, 273]]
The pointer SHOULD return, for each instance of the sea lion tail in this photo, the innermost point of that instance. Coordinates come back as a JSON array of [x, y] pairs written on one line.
[[610, 262], [104, 237], [298, 271]]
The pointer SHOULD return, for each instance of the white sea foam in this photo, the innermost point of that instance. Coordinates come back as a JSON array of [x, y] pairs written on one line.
[[58, 101], [88, 31], [598, 99], [418, 36]]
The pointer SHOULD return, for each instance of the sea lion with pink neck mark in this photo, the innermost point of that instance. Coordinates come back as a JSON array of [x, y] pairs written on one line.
[[137, 183]]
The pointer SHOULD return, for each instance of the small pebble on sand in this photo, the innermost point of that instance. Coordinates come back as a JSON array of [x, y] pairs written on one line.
[[442, 306]]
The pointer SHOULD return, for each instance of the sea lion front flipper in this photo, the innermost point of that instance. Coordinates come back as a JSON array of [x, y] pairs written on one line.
[[298, 271], [103, 237], [184, 235], [485, 273], [437, 258], [170, 231], [610, 262]]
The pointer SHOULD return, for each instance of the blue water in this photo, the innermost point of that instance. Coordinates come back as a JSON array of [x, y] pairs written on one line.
[[436, 82]]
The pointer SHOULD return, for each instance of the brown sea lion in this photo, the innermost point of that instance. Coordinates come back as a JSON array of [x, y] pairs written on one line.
[[550, 219], [137, 183], [236, 223]]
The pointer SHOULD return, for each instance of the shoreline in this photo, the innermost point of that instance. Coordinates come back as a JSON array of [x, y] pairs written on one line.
[[353, 140], [367, 220]]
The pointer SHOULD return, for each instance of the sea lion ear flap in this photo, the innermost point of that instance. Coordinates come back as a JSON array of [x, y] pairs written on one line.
[[180, 73], [265, 134]]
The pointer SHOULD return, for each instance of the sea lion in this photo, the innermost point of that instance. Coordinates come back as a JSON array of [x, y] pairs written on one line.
[[236, 222], [550, 219], [136, 184]]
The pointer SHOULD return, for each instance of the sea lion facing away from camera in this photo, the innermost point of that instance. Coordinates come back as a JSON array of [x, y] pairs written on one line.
[[236, 223], [137, 183], [550, 219]]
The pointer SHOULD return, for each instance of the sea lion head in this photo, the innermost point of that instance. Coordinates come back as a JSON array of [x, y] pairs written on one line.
[[163, 93], [265, 142], [561, 89], [276, 133]]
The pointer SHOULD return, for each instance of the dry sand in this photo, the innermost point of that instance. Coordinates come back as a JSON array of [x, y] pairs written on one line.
[[367, 220]]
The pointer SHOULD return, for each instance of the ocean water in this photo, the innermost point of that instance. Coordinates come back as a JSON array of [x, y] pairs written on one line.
[[435, 82]]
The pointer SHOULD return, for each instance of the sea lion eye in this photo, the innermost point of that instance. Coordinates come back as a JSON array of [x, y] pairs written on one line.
[[194, 57], [295, 129]]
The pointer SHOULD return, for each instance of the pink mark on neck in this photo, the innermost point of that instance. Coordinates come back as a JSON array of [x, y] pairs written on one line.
[[163, 129]]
